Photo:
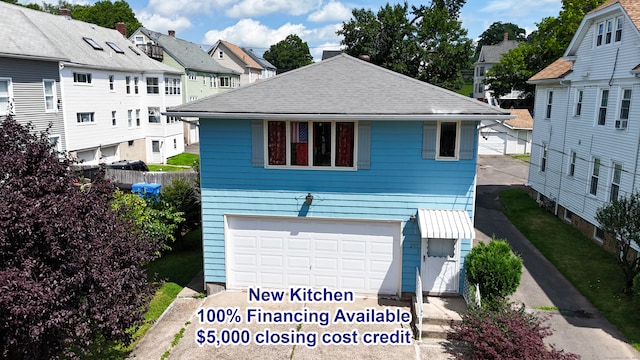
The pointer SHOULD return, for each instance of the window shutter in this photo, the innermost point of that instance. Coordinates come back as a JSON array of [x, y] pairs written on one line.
[[364, 145], [429, 135], [257, 143], [467, 139]]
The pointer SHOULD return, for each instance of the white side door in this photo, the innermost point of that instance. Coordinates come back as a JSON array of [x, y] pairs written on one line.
[[440, 265]]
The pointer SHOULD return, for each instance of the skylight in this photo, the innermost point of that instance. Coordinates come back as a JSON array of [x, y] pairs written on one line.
[[93, 43], [115, 47], [134, 50]]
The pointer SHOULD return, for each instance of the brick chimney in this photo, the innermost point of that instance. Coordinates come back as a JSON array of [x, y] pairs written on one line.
[[122, 28], [172, 33], [66, 13], [506, 36]]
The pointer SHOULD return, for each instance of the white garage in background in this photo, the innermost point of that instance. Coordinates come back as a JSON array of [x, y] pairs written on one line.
[[363, 256]]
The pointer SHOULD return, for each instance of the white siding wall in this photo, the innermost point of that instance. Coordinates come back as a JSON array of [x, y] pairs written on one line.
[[97, 98], [595, 68]]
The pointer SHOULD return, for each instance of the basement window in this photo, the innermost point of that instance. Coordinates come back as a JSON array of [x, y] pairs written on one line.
[[93, 43]]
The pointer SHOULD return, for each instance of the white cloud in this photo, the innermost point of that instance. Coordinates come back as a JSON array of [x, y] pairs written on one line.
[[256, 8], [161, 24], [333, 11], [185, 7], [253, 34]]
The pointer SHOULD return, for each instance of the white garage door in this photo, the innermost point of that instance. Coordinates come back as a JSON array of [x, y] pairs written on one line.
[[491, 143], [359, 256]]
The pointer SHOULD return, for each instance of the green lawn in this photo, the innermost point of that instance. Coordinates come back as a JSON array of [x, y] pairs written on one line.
[[175, 269], [466, 89], [590, 268], [167, 168], [184, 159]]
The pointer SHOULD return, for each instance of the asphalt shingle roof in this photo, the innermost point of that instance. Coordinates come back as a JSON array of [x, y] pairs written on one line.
[[632, 7], [556, 70], [186, 53], [33, 33], [523, 119], [493, 53], [340, 86]]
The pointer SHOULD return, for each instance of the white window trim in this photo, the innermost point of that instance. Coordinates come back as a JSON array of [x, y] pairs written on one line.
[[544, 157], [54, 95], [573, 160], [88, 77], [578, 103], [130, 118], [457, 145], [566, 216], [114, 118], [333, 166], [595, 236], [599, 106], [193, 76], [612, 182], [621, 123], [592, 175], [112, 83], [83, 123], [58, 143], [548, 105]]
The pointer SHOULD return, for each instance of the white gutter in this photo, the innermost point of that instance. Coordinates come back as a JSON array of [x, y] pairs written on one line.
[[373, 117]]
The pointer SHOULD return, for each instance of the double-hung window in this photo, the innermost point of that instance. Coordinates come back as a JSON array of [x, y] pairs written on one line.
[[326, 144], [549, 104], [615, 181], [578, 108], [153, 86], [224, 81], [130, 118], [113, 118], [609, 33], [602, 110], [595, 175], [6, 95], [600, 34], [193, 75], [572, 163], [127, 81], [137, 117], [135, 85], [50, 97], [625, 105], [543, 158], [619, 22], [111, 82]]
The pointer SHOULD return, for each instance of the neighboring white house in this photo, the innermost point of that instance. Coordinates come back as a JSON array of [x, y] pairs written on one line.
[[508, 137], [111, 95], [489, 56], [586, 137]]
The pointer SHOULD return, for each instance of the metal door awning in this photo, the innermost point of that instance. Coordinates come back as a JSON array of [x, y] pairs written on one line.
[[445, 224]]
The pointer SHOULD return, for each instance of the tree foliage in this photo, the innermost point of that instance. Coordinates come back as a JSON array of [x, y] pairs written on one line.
[[102, 13], [288, 54], [621, 218], [544, 46], [182, 195], [71, 271], [156, 220], [495, 269], [426, 42], [502, 334]]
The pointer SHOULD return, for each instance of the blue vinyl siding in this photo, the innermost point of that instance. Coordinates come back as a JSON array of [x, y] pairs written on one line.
[[397, 183]]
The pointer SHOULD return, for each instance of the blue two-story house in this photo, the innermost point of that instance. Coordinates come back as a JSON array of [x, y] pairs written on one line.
[[340, 174]]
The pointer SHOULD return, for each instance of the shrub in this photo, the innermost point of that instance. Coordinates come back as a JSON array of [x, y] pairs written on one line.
[[503, 333], [495, 269], [182, 195]]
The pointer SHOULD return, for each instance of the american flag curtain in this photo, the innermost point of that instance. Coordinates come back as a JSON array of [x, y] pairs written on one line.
[[344, 146], [277, 132], [299, 143]]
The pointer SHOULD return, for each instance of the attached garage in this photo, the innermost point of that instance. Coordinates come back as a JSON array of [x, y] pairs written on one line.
[[363, 256]]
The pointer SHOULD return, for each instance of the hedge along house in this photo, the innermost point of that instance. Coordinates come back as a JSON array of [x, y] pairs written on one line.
[[340, 174]]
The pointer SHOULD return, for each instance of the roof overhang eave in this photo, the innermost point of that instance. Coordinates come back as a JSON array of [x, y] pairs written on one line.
[[351, 117], [33, 57]]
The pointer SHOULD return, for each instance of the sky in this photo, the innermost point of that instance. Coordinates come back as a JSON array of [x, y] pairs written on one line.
[[258, 24]]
